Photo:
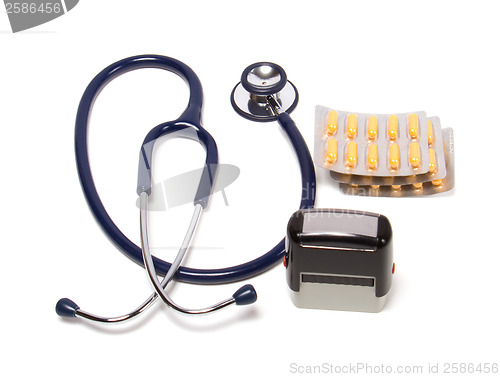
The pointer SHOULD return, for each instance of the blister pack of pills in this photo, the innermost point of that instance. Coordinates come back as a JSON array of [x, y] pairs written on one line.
[[405, 154]]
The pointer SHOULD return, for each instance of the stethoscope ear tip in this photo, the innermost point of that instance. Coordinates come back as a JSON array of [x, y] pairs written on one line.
[[66, 308], [246, 295]]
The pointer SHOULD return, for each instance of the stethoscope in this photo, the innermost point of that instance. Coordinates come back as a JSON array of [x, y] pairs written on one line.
[[264, 94]]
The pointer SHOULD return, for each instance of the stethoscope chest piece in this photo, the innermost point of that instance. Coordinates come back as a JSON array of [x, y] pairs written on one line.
[[259, 81]]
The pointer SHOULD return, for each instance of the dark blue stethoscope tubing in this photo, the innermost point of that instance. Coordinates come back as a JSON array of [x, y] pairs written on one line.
[[187, 130], [191, 116]]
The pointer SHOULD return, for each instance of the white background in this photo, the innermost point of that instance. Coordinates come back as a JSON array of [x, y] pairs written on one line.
[[385, 56]]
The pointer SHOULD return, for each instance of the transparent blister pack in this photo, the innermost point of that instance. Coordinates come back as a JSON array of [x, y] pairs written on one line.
[[383, 152], [436, 163], [384, 134], [434, 186]]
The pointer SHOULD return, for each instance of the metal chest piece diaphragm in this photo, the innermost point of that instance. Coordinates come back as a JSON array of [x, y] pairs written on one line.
[[259, 81]]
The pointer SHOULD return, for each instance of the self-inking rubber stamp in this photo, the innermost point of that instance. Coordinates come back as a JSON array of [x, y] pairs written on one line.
[[339, 259]]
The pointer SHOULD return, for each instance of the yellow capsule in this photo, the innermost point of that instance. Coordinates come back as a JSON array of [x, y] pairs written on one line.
[[394, 156], [332, 151], [372, 129], [430, 133], [332, 123], [413, 126], [372, 157], [352, 126], [414, 155], [418, 186], [351, 155], [432, 161], [396, 187], [375, 187], [392, 128], [437, 182]]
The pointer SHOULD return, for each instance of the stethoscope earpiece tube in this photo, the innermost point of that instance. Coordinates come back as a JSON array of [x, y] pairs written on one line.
[[243, 296]]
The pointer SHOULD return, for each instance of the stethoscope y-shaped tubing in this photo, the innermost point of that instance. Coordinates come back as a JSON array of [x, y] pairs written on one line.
[[192, 115]]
